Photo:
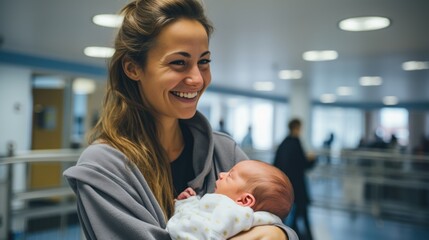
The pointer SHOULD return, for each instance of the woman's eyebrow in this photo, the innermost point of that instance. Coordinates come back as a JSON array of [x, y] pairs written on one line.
[[185, 54], [205, 53]]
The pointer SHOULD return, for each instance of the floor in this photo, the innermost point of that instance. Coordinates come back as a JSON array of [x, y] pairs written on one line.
[[340, 225], [325, 224], [70, 233]]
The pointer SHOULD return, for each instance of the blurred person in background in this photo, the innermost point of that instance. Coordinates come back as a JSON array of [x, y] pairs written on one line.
[[291, 158], [327, 145], [222, 128], [247, 142]]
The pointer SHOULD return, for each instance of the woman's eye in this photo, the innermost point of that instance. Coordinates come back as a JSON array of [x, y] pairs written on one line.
[[204, 61], [178, 62]]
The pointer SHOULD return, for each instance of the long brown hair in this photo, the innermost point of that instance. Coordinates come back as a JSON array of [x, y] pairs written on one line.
[[126, 122]]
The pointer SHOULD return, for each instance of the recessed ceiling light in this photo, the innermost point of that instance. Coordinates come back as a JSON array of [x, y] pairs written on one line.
[[326, 55], [290, 74], [364, 23], [99, 52], [328, 98], [108, 20], [390, 100], [83, 86], [344, 91], [415, 65], [263, 86], [370, 81]]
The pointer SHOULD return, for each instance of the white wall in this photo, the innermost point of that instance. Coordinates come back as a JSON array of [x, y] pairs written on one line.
[[15, 115], [15, 107]]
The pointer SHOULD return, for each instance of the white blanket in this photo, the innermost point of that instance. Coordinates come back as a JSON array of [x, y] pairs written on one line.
[[214, 217]]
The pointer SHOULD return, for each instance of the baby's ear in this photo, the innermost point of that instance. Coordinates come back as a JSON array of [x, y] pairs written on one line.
[[246, 200]]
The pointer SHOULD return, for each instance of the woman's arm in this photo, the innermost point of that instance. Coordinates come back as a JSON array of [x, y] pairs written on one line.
[[103, 217], [113, 198], [266, 232]]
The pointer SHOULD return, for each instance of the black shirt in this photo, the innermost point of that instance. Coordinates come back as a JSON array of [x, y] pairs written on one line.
[[182, 168]]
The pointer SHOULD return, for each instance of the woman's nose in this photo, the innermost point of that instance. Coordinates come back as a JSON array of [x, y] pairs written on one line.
[[221, 175], [192, 81], [195, 77]]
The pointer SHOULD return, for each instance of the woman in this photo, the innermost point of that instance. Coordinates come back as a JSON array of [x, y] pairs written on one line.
[[150, 142]]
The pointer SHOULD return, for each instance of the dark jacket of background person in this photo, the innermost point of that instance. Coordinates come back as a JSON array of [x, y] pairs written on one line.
[[290, 158]]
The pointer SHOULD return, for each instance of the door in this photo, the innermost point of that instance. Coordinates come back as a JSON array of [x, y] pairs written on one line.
[[48, 105]]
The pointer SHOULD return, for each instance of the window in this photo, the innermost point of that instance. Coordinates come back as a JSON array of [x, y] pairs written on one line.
[[267, 118], [345, 123], [394, 121]]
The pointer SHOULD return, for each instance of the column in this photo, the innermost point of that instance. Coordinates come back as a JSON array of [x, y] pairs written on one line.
[[416, 128], [300, 107]]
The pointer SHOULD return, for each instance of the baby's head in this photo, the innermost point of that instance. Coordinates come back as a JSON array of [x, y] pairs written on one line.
[[258, 185]]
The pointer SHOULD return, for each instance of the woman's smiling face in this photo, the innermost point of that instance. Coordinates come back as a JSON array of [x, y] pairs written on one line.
[[177, 70]]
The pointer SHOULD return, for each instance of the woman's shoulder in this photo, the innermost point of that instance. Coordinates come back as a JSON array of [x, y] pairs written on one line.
[[102, 161], [97, 150], [227, 151], [223, 138], [224, 145], [102, 155]]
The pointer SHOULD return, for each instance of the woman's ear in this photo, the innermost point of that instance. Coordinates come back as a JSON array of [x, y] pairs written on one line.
[[246, 200], [131, 69]]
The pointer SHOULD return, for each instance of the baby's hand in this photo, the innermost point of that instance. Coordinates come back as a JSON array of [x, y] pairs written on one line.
[[187, 193]]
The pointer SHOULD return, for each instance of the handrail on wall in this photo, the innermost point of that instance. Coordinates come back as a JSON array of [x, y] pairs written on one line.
[[26, 157], [374, 154], [54, 155], [379, 182]]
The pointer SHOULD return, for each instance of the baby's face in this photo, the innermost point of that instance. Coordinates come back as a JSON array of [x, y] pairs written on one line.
[[233, 182]]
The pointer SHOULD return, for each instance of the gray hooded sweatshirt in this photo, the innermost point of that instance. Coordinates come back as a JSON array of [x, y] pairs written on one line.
[[114, 200]]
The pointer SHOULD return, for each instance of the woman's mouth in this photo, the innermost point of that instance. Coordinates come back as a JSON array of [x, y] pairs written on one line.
[[186, 95]]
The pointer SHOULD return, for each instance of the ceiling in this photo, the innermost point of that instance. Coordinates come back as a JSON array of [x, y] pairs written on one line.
[[253, 40]]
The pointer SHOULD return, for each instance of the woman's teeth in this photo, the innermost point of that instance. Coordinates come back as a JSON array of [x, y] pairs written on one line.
[[185, 95]]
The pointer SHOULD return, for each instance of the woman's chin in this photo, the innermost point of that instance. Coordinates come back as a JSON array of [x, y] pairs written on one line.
[[188, 114]]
